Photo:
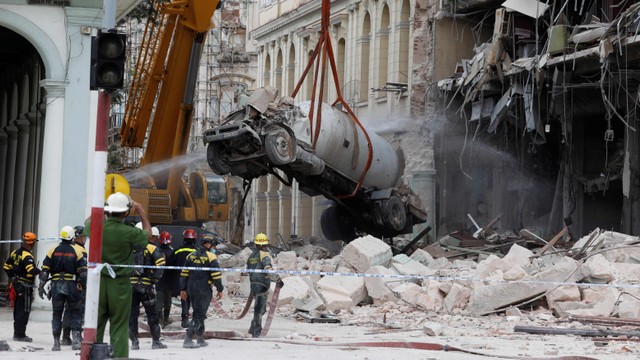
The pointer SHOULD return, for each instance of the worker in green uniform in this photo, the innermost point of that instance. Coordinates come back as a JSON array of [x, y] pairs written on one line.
[[118, 240]]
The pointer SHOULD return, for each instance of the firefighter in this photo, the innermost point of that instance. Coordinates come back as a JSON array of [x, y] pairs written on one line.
[[22, 268], [68, 266], [164, 287], [196, 285], [79, 242], [118, 240], [188, 246], [143, 282], [260, 259]]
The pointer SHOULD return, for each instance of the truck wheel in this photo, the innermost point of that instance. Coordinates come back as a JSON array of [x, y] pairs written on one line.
[[394, 214], [280, 147], [214, 158], [335, 226]]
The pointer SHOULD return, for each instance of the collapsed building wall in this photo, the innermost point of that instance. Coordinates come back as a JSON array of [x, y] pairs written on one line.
[[541, 121]]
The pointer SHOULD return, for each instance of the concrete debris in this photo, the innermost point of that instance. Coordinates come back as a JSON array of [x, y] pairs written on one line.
[[512, 284]]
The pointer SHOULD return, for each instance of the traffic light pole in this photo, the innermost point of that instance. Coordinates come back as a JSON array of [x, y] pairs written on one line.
[[97, 218]]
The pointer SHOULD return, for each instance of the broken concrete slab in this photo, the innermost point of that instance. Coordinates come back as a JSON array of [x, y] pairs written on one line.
[[365, 252], [379, 288], [422, 257], [485, 299], [334, 290], [518, 255], [561, 294], [295, 288], [598, 269], [406, 266], [457, 298], [286, 260], [309, 302]]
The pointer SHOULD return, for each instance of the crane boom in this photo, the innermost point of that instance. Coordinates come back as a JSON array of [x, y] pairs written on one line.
[[161, 95]]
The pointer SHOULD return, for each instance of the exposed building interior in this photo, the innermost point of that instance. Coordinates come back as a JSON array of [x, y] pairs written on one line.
[[540, 121]]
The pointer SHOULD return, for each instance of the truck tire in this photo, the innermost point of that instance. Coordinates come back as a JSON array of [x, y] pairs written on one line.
[[394, 214], [215, 160], [280, 146], [336, 226]]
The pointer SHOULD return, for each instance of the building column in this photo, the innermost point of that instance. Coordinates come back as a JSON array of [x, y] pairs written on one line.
[[9, 178], [49, 207], [20, 175]]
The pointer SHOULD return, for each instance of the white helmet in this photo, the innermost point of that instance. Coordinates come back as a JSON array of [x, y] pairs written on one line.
[[139, 225], [118, 203], [155, 232], [67, 233]]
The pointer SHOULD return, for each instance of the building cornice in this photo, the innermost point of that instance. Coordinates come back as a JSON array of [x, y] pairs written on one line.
[[84, 16], [293, 15]]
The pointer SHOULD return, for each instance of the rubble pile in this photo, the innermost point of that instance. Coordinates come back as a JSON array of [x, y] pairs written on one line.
[[494, 284]]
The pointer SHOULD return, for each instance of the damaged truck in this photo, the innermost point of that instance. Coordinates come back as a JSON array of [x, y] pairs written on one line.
[[359, 172]]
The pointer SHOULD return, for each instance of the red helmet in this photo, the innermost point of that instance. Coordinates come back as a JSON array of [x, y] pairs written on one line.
[[189, 234], [165, 237]]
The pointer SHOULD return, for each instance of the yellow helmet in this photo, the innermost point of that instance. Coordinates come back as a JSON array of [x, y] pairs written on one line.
[[261, 239]]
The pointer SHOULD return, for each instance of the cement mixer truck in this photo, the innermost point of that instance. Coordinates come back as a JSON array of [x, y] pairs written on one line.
[[260, 138]]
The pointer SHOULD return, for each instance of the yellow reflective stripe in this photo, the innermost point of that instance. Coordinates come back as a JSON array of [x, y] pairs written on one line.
[[184, 273], [216, 275], [28, 267], [160, 262], [7, 266]]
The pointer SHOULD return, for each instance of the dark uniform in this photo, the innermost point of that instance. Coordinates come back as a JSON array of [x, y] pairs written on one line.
[[197, 284], [165, 287], [66, 316], [260, 283], [142, 284], [22, 268], [68, 266], [180, 258], [114, 304]]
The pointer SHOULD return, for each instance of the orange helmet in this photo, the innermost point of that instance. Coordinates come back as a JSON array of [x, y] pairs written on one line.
[[29, 237]]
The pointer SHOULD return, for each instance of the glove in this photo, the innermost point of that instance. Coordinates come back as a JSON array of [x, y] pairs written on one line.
[[279, 283], [41, 291], [183, 295]]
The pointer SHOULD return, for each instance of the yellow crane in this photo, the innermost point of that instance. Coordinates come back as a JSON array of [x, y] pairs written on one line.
[[160, 99]]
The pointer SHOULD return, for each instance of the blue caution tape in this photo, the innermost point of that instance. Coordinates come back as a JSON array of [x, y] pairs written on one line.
[[391, 276], [39, 239]]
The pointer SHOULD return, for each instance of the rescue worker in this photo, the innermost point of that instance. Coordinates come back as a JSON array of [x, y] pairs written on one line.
[[143, 282], [260, 259], [188, 246], [118, 240], [196, 285], [22, 268], [68, 266], [78, 241], [164, 287]]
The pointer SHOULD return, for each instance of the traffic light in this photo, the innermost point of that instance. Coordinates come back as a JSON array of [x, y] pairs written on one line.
[[107, 60]]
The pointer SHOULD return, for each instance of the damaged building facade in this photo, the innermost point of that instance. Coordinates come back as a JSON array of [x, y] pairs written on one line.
[[537, 117]]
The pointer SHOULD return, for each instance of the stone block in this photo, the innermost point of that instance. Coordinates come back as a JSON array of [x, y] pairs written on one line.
[[286, 260], [378, 288], [598, 269], [422, 257], [294, 288], [311, 302], [365, 252], [518, 255], [561, 294], [348, 286], [457, 298]]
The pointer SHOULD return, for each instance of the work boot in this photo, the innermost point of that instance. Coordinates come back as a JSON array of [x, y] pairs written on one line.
[[157, 344], [135, 345], [66, 336], [77, 340], [201, 342], [188, 342], [185, 323], [56, 343], [24, 338]]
